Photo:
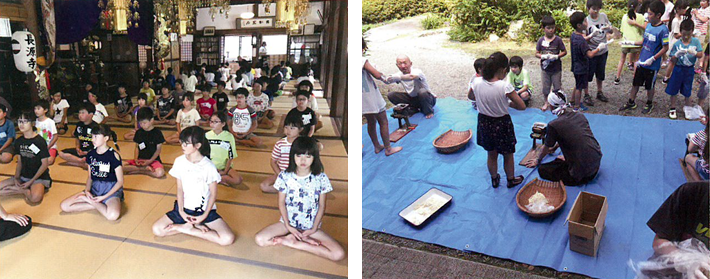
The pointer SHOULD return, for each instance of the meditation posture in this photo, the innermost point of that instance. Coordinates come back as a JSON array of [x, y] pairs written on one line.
[[75, 156], [280, 153], [58, 111], [104, 186], [149, 142], [581, 153], [223, 148], [46, 128], [195, 211], [31, 177], [417, 93], [303, 189]]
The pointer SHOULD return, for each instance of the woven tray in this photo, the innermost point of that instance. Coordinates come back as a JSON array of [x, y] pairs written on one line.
[[554, 192], [452, 141]]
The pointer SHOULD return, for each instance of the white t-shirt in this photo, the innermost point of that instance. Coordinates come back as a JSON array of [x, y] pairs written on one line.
[[262, 50], [666, 15], [413, 87], [190, 83], [100, 113], [209, 77], [48, 130], [260, 103], [372, 101], [196, 179], [187, 119], [242, 119], [491, 98], [59, 110], [302, 197], [225, 73]]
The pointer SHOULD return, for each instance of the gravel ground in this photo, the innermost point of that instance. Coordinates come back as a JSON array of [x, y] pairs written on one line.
[[448, 66]]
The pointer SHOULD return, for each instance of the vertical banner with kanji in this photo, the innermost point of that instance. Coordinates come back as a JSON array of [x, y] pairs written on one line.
[[24, 50]]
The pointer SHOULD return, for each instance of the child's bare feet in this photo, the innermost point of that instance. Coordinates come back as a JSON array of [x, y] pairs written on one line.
[[429, 116], [544, 107], [392, 150], [379, 149], [311, 241]]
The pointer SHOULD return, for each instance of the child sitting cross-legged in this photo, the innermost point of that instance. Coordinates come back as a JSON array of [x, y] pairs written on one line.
[[244, 121], [149, 142], [58, 110], [76, 156], [186, 117], [46, 129], [280, 153], [142, 103], [303, 189], [260, 103], [104, 186], [223, 148]]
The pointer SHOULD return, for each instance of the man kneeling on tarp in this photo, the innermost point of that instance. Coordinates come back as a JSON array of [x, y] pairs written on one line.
[[579, 163]]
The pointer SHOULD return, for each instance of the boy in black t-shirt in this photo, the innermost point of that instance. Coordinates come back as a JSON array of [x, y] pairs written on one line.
[[149, 142], [682, 216], [221, 97], [303, 112], [82, 133], [166, 107], [31, 177]]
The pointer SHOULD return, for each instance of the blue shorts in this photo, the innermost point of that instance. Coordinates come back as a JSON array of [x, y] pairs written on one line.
[[681, 80], [701, 171], [174, 215], [100, 188]]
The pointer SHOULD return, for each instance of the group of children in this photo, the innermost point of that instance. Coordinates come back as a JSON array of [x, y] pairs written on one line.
[[299, 177], [646, 41]]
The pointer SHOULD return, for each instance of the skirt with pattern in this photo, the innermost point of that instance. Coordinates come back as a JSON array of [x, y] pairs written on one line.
[[496, 134]]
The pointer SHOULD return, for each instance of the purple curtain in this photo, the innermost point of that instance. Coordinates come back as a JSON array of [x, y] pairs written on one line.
[[143, 35], [75, 19]]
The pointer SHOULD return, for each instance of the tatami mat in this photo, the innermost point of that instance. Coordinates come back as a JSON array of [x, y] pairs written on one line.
[[45, 253]]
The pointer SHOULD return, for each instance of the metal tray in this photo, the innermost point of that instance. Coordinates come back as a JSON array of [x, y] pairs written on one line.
[[423, 208]]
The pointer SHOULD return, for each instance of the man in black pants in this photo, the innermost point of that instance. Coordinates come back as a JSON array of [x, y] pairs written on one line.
[[582, 154], [13, 225]]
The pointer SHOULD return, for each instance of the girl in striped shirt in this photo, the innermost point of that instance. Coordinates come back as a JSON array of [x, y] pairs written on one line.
[[279, 156]]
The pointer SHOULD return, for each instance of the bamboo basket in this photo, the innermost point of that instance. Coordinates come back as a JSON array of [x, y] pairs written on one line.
[[554, 192], [452, 141]]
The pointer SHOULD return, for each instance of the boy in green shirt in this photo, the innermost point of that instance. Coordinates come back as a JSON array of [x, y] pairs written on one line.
[[520, 79], [223, 148]]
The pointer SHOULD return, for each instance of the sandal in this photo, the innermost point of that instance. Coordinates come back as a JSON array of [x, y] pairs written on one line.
[[515, 181], [495, 181]]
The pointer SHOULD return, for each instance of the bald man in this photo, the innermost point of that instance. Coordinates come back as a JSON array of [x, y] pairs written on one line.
[[417, 95]]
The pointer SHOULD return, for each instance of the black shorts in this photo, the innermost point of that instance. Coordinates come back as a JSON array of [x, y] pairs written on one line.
[[580, 81], [597, 65], [645, 77], [10, 149], [72, 151], [174, 215]]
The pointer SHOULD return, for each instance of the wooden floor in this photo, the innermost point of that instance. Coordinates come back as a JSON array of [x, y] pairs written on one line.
[[85, 245]]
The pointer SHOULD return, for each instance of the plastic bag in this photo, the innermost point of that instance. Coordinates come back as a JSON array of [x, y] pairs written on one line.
[[690, 261], [538, 203], [694, 112]]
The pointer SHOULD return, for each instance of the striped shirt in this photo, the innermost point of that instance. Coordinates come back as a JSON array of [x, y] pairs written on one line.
[[700, 139], [282, 148]]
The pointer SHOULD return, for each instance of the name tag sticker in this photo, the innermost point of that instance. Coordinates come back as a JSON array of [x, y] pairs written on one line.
[[225, 145], [104, 168], [141, 146], [545, 43], [3, 135], [34, 148]]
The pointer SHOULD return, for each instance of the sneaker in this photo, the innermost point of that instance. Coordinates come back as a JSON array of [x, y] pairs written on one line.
[[617, 81], [630, 66], [601, 97], [672, 114], [628, 106], [588, 100], [647, 108], [583, 108], [665, 80]]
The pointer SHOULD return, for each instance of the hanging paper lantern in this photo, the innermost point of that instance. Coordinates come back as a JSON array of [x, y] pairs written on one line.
[[24, 50]]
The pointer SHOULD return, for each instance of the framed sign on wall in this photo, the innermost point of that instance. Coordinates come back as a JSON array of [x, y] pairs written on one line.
[[255, 23], [264, 13]]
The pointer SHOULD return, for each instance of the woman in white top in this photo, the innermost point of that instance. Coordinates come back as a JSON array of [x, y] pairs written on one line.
[[374, 107], [495, 132]]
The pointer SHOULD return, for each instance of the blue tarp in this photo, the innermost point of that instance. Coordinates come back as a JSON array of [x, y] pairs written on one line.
[[639, 170]]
